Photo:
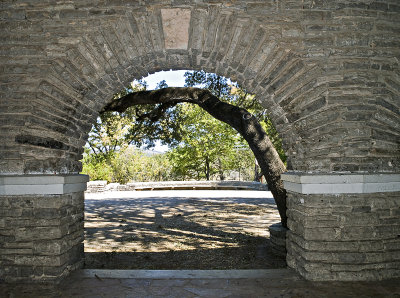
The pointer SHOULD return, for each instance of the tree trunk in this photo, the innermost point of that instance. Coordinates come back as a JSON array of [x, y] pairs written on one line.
[[256, 173], [207, 168], [220, 170], [240, 119]]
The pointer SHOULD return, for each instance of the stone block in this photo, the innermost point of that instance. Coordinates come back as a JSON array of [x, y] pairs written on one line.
[[7, 259], [50, 213], [25, 260], [33, 233], [4, 202], [18, 245], [15, 212], [52, 201], [4, 238], [392, 244], [278, 239], [32, 222], [13, 251], [54, 247]]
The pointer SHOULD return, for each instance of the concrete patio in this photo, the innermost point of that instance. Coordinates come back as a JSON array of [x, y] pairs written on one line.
[[199, 283]]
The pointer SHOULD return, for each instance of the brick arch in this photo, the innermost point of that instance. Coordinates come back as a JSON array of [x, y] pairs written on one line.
[[298, 63], [103, 61]]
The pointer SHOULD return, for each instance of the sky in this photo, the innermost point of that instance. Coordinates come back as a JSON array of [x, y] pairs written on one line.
[[173, 78]]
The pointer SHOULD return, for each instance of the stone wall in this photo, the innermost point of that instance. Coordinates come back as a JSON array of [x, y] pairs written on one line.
[[41, 236], [344, 237], [327, 71]]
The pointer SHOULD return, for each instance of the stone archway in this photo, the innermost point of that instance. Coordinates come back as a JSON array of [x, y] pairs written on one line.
[[326, 72]]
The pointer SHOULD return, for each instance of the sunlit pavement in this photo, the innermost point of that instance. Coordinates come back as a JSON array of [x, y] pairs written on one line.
[[201, 229]]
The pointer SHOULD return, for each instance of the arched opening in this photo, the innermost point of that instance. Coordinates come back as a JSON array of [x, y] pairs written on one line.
[[326, 70], [185, 229]]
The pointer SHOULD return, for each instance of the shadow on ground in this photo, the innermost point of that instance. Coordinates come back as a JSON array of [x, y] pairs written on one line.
[[246, 257], [180, 231]]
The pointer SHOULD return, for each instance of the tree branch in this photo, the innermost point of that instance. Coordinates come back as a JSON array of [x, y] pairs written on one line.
[[238, 118], [157, 113], [165, 95]]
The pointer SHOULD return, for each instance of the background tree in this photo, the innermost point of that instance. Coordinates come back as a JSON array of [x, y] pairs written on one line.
[[127, 165], [238, 118], [138, 125], [231, 93], [112, 130], [205, 147], [155, 115], [184, 128]]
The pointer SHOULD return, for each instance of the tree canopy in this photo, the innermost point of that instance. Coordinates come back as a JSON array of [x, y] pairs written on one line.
[[201, 145], [143, 125], [238, 118]]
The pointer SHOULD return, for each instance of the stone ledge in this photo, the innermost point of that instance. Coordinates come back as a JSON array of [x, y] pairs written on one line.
[[42, 184], [282, 274], [101, 186], [229, 185], [331, 183]]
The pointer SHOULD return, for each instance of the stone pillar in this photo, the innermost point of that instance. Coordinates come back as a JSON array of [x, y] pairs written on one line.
[[41, 226], [343, 226]]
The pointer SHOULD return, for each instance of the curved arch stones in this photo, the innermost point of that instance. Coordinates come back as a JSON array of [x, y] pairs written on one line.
[[327, 71]]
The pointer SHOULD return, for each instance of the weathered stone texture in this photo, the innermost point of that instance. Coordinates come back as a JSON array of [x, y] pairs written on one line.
[[344, 237], [326, 71], [176, 27], [277, 238], [41, 237]]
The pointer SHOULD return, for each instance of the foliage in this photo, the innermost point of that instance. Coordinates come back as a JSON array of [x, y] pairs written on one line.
[[136, 126], [205, 147], [233, 94], [97, 166], [201, 146], [112, 130], [126, 165]]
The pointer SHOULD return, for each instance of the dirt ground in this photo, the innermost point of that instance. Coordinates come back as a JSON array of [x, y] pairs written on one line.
[[180, 230]]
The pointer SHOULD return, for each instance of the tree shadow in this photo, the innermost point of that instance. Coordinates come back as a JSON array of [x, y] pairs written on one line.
[[179, 233], [245, 257]]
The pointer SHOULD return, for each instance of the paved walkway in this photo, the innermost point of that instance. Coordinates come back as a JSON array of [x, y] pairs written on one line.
[[182, 229], [200, 283]]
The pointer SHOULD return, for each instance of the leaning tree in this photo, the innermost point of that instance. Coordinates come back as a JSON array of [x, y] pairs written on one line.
[[239, 118]]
